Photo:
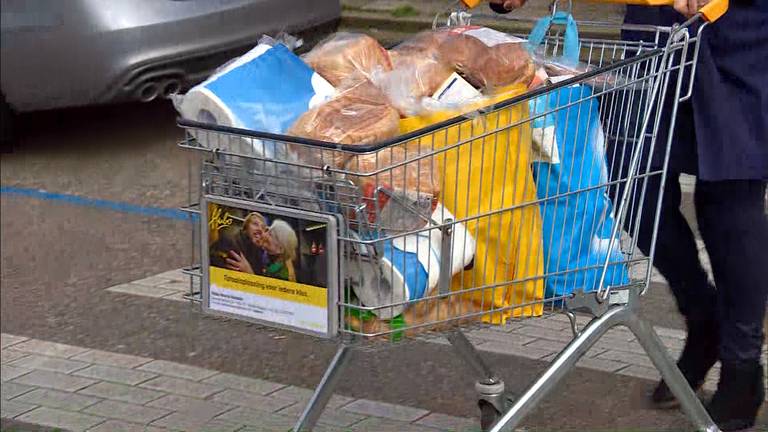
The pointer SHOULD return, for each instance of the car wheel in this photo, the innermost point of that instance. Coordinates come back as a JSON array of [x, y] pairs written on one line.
[[6, 126]]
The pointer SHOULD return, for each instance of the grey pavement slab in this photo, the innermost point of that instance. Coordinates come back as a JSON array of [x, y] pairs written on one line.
[[449, 423], [11, 409], [177, 370], [115, 374], [141, 290], [58, 399], [300, 394], [181, 387], [266, 421], [196, 407], [57, 418], [7, 340], [111, 359], [8, 355], [154, 280], [252, 400], [56, 364], [126, 411], [124, 426], [52, 349], [237, 382], [183, 422], [331, 417], [55, 380], [122, 392], [375, 424], [8, 372], [9, 390], [382, 409]]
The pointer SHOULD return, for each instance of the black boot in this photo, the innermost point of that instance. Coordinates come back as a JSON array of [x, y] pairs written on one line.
[[739, 394], [698, 357]]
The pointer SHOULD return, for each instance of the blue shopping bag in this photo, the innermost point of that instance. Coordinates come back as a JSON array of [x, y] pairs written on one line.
[[577, 226]]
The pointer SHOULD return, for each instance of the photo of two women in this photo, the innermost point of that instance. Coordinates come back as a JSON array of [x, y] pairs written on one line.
[[263, 244], [253, 244]]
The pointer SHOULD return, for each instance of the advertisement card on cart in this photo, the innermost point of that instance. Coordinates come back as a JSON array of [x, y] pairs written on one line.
[[271, 265]]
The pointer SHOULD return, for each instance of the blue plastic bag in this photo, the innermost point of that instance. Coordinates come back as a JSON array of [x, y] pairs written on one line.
[[576, 227]]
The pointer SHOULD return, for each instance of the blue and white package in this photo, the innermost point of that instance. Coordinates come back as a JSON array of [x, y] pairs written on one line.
[[409, 266], [264, 90]]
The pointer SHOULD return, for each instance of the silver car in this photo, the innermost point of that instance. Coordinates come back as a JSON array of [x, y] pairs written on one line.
[[63, 53]]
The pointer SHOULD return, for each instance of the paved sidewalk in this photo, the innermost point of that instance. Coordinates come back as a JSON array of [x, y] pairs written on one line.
[[79, 389], [539, 338]]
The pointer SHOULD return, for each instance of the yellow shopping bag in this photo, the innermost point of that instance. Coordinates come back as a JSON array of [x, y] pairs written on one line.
[[486, 178]]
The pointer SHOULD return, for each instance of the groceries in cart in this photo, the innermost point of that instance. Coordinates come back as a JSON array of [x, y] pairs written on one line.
[[494, 172]]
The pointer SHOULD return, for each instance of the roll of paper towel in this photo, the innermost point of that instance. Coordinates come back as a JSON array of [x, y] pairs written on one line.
[[264, 90]]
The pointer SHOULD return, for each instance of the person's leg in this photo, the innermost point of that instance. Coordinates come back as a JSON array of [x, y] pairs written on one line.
[[734, 227], [677, 259]]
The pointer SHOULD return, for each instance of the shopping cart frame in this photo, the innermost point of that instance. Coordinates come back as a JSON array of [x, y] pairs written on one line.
[[608, 307]]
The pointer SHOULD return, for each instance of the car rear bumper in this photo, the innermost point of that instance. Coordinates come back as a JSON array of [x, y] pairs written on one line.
[[98, 51]]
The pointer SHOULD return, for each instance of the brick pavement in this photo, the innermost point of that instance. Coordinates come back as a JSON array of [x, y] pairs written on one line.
[[78, 389], [540, 338]]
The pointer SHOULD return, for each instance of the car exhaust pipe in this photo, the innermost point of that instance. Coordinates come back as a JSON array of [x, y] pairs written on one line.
[[147, 91], [170, 87]]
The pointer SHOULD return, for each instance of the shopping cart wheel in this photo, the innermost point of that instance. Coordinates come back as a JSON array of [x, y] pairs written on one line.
[[488, 415], [491, 401]]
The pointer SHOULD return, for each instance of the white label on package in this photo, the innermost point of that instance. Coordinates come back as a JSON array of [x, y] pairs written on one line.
[[492, 37], [455, 90]]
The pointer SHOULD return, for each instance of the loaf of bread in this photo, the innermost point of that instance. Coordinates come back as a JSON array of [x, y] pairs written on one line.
[[419, 59], [486, 58], [345, 56], [358, 115]]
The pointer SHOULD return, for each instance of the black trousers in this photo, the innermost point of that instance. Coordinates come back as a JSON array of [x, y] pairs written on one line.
[[732, 220]]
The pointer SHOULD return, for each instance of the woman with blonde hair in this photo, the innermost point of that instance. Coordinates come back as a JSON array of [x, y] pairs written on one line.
[[282, 264]]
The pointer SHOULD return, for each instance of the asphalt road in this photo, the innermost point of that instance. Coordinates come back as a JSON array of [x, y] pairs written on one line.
[[57, 258]]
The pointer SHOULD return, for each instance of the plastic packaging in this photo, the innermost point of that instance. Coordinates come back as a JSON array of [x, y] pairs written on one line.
[[358, 115], [419, 58], [348, 56], [403, 195], [487, 58], [265, 89]]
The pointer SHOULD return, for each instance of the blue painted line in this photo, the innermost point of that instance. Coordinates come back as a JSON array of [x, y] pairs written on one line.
[[122, 207]]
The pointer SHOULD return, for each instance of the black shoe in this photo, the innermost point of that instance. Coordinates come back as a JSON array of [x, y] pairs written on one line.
[[739, 395], [698, 357]]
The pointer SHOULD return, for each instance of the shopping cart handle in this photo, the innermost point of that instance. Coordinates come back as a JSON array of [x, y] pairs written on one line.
[[710, 12]]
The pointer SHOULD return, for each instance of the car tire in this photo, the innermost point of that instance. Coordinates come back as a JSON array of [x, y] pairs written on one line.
[[7, 117]]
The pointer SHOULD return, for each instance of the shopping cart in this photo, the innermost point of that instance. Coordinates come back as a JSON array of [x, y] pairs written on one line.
[[399, 240]]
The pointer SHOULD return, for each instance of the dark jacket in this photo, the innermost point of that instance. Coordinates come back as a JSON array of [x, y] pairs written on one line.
[[723, 133]]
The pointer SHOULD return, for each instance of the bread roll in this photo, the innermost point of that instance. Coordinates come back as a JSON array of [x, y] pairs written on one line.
[[345, 55]]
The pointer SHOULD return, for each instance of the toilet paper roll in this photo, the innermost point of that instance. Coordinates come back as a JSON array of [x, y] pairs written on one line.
[[264, 90]]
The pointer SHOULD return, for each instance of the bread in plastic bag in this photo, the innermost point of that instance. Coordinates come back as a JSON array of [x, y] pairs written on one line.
[[420, 57], [344, 55], [357, 115], [415, 182], [487, 58]]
